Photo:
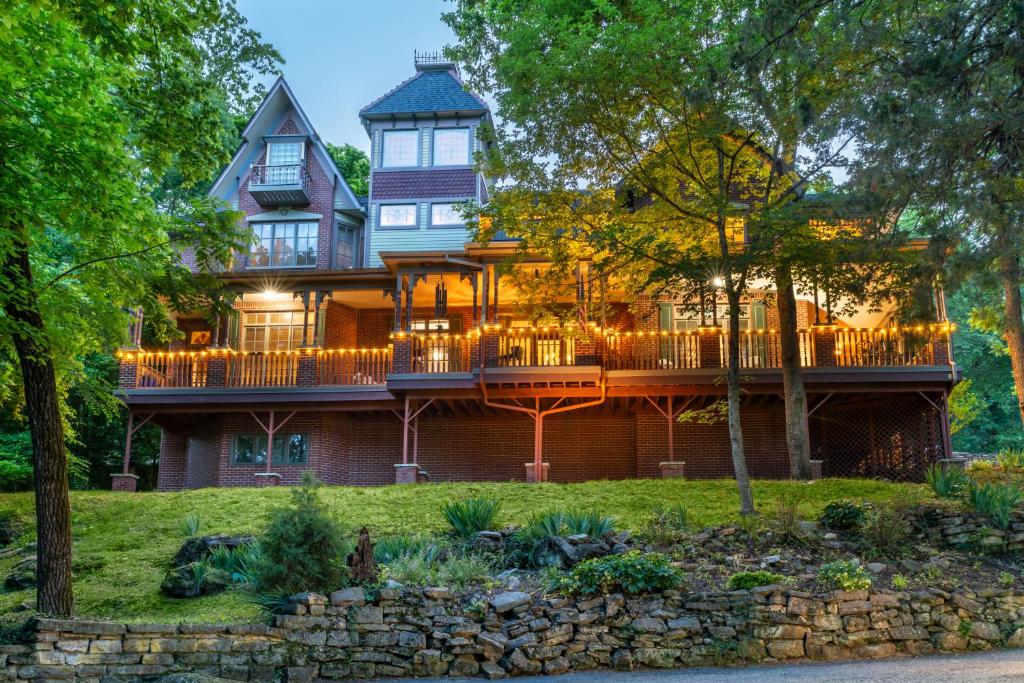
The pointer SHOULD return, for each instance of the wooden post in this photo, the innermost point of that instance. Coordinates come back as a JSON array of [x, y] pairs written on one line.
[[405, 433], [305, 317], [408, 301], [484, 299], [497, 277], [128, 442], [399, 286]]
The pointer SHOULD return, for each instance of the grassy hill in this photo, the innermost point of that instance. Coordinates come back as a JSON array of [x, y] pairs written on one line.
[[123, 542]]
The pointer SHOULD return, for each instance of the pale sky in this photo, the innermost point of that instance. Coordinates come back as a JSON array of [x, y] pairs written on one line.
[[340, 55]]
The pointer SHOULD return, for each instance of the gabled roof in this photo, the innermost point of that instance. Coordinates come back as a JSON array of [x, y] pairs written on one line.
[[435, 89], [280, 100]]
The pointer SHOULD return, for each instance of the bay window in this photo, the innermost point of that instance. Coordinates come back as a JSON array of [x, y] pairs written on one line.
[[283, 161], [400, 147], [451, 146], [283, 245]]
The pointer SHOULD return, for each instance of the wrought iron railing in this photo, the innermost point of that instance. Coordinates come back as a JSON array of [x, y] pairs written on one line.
[[279, 174]]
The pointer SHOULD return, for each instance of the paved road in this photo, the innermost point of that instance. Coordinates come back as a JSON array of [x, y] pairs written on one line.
[[1003, 666]]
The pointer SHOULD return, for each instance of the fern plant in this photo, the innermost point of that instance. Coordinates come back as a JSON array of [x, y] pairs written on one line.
[[472, 515]]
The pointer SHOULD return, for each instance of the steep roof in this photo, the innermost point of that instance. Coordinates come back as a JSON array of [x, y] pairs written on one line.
[[436, 88], [280, 100]]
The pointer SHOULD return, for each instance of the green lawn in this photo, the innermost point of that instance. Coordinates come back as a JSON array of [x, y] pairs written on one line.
[[123, 542]]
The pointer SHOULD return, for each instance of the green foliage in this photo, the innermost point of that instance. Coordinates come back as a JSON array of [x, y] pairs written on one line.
[[423, 569], [354, 166], [15, 461], [900, 582], [886, 529], [747, 580], [241, 564], [304, 548], [1006, 579], [387, 549], [1010, 458], [588, 522], [191, 524], [995, 501], [965, 628], [964, 406], [844, 575], [110, 525], [10, 527], [787, 517], [674, 516], [842, 515], [472, 515], [980, 466], [632, 572], [946, 482]]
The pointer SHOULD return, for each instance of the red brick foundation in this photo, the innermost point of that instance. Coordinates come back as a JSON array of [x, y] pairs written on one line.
[[890, 436], [126, 483]]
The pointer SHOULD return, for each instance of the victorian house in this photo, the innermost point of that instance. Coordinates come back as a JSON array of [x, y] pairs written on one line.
[[372, 341]]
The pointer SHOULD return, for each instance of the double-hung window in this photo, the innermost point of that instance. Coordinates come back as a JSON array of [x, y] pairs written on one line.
[[397, 215], [445, 214], [451, 146], [283, 162], [274, 331], [400, 147], [283, 245], [289, 449]]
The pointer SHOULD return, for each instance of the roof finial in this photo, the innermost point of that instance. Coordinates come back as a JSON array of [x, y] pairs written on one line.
[[432, 61]]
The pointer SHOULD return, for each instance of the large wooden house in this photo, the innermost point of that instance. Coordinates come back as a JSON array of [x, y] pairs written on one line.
[[372, 341]]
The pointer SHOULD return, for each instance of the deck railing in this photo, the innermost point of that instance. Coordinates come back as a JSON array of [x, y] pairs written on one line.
[[534, 347]]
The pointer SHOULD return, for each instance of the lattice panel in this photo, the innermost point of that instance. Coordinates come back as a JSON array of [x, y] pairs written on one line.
[[891, 438]]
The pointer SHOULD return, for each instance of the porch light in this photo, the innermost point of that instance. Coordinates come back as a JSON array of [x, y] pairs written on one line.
[[718, 281]]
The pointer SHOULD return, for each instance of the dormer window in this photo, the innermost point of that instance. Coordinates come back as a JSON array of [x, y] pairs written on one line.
[[399, 148], [451, 146]]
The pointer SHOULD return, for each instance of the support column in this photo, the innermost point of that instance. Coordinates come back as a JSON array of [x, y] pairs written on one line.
[[497, 279], [709, 341], [484, 299], [408, 301], [824, 346], [399, 288]]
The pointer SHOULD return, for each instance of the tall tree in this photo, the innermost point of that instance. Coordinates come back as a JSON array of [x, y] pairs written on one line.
[[354, 166], [941, 128], [97, 98]]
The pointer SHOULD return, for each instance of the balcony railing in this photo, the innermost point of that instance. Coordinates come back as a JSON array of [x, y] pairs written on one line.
[[279, 184], [438, 354]]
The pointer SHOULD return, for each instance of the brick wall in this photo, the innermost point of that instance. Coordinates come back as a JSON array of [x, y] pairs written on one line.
[[202, 450], [171, 475], [340, 326]]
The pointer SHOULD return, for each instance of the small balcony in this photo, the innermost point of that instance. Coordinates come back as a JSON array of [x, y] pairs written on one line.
[[279, 185]]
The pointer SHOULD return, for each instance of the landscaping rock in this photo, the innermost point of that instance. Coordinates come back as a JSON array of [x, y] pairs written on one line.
[[185, 582], [23, 574], [198, 548], [505, 602]]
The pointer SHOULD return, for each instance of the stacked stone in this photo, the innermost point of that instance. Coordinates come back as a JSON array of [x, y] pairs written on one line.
[[433, 632], [967, 529]]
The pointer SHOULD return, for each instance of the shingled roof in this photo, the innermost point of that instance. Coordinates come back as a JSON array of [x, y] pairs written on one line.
[[435, 88]]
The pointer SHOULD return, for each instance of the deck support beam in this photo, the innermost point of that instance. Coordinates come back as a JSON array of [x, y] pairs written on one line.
[[671, 413]]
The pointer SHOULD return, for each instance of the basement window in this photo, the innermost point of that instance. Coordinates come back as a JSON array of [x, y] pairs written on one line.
[[251, 449]]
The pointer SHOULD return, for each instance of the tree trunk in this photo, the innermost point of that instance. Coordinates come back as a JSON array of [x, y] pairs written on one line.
[[797, 441], [1010, 274], [54, 595], [739, 460]]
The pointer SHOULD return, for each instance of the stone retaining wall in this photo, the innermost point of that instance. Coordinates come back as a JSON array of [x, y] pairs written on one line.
[[432, 632], [966, 529]]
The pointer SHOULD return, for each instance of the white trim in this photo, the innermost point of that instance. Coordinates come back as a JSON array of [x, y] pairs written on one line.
[[284, 215]]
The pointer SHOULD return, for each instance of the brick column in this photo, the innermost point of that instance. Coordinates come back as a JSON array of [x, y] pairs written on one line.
[[128, 372], [306, 375], [585, 350], [824, 346], [217, 368], [407, 473], [491, 348], [401, 355], [709, 340], [940, 348]]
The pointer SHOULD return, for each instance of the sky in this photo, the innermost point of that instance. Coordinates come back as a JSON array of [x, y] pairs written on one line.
[[340, 55]]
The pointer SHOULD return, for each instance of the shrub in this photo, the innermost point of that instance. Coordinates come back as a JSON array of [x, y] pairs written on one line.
[[193, 580], [589, 522], [844, 575], [946, 482], [191, 524], [674, 517], [10, 527], [632, 572], [303, 547], [241, 564], [886, 528], [842, 515], [1006, 579], [900, 582], [533, 538], [1010, 458], [788, 517], [995, 501], [745, 580], [980, 466], [419, 569], [470, 516], [387, 549]]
